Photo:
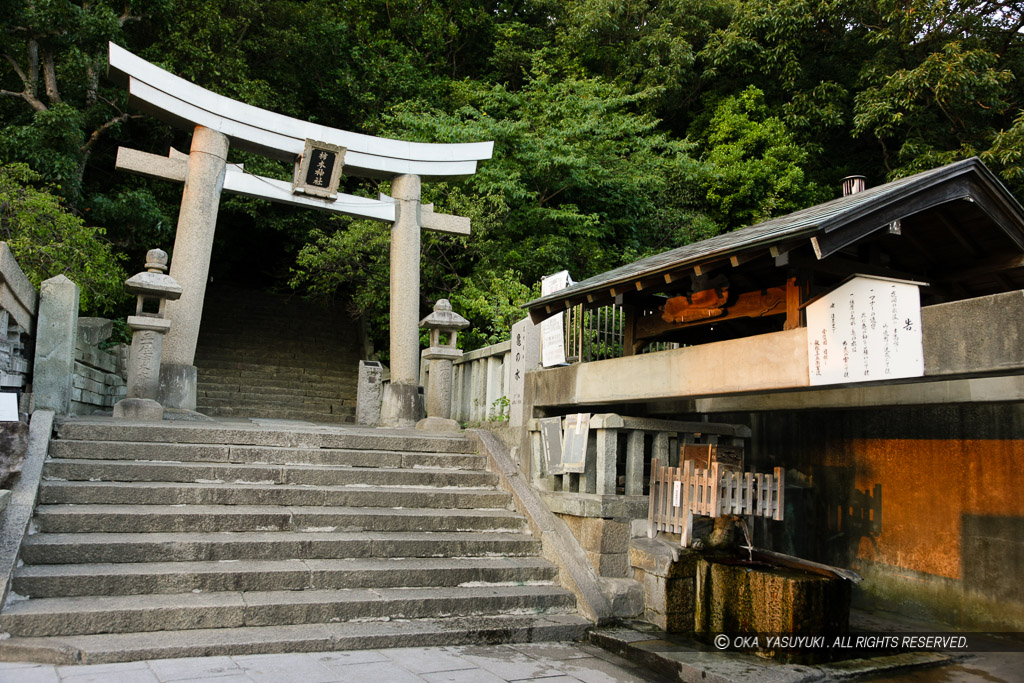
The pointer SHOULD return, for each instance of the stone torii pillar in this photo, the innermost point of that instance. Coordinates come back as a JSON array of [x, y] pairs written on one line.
[[402, 405], [318, 153], [193, 244]]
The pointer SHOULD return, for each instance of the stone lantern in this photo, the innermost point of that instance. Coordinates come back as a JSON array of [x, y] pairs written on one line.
[[441, 354], [154, 289]]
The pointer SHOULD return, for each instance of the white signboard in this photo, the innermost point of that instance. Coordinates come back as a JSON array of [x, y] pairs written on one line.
[[8, 407], [867, 329], [574, 442], [552, 334]]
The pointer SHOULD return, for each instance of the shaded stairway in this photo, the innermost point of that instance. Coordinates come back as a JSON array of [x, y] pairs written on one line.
[[276, 356], [180, 540]]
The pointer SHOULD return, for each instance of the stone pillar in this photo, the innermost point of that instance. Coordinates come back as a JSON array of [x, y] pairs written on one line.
[[525, 357], [56, 333], [193, 244], [368, 393], [402, 405]]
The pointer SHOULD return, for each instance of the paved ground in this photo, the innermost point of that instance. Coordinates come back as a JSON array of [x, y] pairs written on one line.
[[550, 662]]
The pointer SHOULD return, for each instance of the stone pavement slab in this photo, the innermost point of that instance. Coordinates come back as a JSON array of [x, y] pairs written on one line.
[[551, 662]]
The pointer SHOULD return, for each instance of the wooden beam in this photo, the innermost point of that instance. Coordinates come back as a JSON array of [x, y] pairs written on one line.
[[757, 304], [838, 237], [739, 259], [793, 311], [629, 331], [967, 245], [843, 267], [989, 267]]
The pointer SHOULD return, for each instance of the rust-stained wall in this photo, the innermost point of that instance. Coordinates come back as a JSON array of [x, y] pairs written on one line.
[[949, 539]]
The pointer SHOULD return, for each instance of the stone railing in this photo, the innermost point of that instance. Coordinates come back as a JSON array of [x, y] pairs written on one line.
[[18, 307], [616, 470], [98, 379], [480, 381]]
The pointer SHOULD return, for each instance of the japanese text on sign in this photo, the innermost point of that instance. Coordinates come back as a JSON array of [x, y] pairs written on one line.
[[865, 330]]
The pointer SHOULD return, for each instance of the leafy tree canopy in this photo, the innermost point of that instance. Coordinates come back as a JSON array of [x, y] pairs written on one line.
[[620, 129]]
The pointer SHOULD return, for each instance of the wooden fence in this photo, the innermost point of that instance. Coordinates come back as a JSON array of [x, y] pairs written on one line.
[[679, 493]]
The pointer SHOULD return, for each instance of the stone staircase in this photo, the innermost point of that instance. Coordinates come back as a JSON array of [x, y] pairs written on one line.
[[183, 539], [276, 356]]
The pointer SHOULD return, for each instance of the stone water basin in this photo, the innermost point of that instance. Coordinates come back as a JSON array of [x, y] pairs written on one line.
[[735, 595]]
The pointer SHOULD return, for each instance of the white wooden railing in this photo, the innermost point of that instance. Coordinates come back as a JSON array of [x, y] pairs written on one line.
[[679, 493]]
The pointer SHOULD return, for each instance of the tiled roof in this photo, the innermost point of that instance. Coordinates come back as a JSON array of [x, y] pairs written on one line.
[[814, 220]]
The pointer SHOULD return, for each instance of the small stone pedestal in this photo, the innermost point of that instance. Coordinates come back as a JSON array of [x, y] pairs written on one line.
[[441, 354], [154, 290]]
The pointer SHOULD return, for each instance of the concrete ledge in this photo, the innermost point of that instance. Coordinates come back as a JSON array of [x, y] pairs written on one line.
[[595, 505], [23, 497], [558, 545]]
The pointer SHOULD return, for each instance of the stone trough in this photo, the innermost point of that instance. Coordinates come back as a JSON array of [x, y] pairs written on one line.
[[704, 593]]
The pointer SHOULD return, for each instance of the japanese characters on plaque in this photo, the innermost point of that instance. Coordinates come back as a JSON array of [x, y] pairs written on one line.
[[867, 329], [552, 330], [318, 170], [525, 353]]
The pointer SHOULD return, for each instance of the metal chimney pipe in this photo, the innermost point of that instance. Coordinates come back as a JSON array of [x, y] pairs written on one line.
[[852, 184]]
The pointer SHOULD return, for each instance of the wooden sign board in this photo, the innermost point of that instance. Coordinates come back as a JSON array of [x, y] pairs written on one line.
[[551, 443], [867, 329], [704, 454], [318, 170], [574, 442]]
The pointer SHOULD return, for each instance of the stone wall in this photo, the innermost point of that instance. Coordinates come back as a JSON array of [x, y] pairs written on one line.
[[99, 375], [18, 306], [924, 502]]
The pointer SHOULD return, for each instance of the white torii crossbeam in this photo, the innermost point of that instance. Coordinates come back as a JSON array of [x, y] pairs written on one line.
[[220, 122]]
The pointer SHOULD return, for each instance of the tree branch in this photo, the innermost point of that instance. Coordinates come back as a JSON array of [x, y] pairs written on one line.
[[29, 93], [50, 77], [96, 134]]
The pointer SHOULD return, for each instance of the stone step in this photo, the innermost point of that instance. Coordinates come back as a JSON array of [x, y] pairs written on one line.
[[102, 518], [271, 382], [78, 580], [343, 395], [178, 611], [303, 387], [235, 473], [311, 404], [243, 434], [102, 548], [186, 452], [275, 366], [234, 358], [170, 493], [277, 374], [110, 648], [342, 416]]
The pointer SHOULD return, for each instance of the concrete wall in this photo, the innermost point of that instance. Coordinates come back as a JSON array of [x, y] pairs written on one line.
[[916, 484], [973, 351], [946, 537]]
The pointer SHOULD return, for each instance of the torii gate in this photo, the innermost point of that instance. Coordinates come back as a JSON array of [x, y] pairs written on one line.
[[319, 153]]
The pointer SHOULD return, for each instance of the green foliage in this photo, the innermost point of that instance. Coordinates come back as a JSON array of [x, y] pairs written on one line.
[[756, 164], [492, 302], [620, 129], [580, 179], [47, 241]]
